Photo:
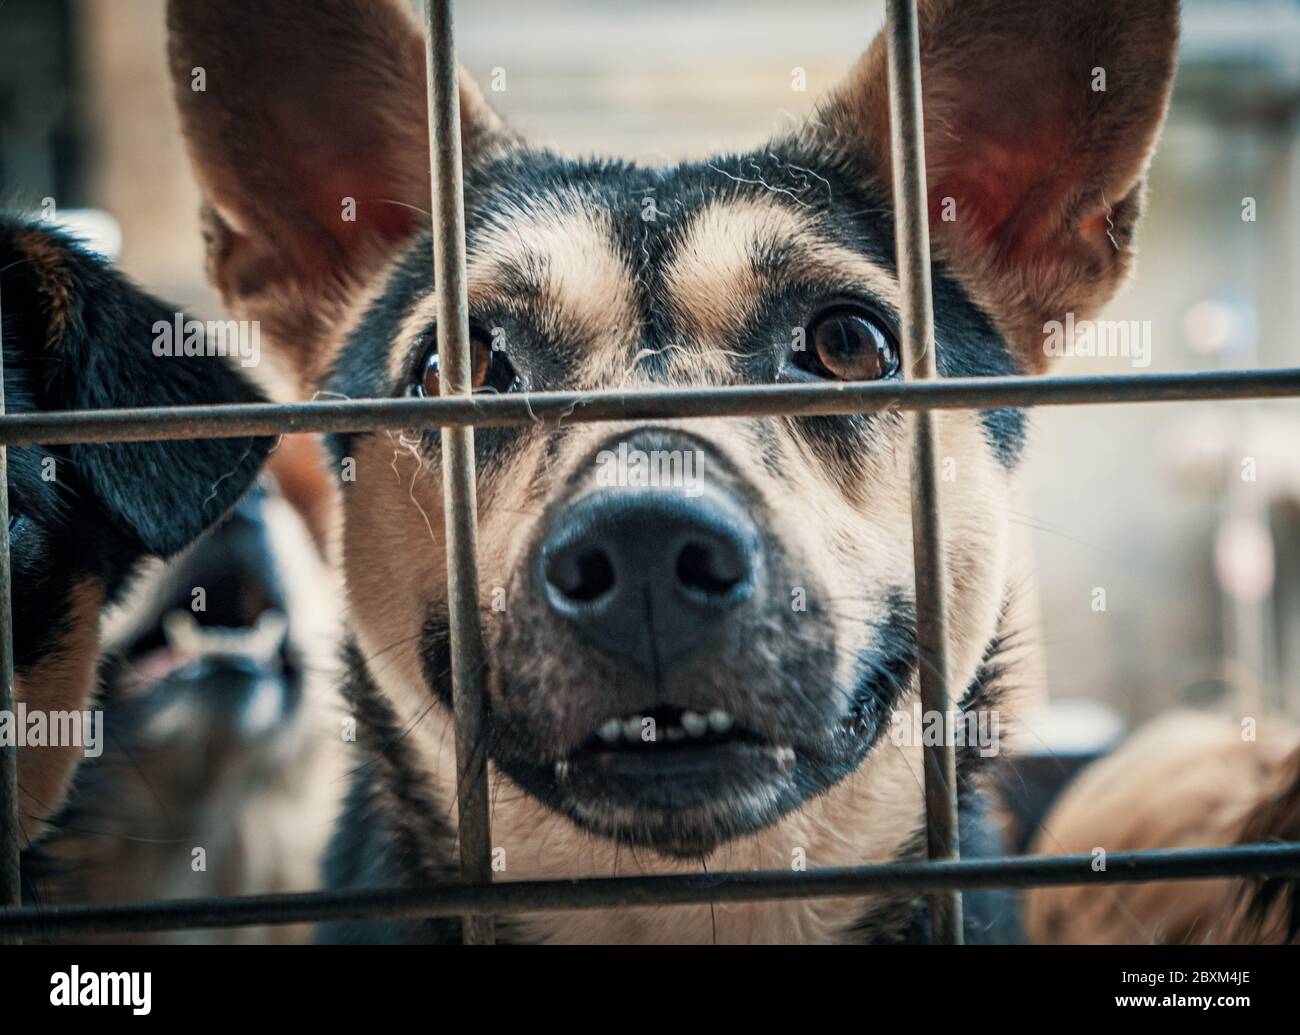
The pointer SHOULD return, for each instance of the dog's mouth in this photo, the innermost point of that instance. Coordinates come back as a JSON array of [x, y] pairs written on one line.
[[673, 779], [670, 741], [710, 756], [671, 759]]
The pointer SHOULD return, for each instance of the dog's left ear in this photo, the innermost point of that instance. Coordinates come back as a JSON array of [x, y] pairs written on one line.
[[1040, 119], [79, 336]]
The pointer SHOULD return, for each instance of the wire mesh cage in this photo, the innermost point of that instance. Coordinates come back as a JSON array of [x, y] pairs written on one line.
[[921, 394]]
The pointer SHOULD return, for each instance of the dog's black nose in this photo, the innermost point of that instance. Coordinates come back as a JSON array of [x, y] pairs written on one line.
[[650, 573]]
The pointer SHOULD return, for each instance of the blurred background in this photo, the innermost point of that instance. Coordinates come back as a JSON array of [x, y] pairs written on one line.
[[1186, 516]]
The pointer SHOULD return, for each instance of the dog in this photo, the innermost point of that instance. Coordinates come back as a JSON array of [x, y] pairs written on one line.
[[700, 634], [84, 518], [217, 778], [1186, 780]]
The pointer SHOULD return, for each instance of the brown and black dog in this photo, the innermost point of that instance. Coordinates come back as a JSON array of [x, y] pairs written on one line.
[[216, 774], [83, 518], [699, 633], [1187, 780]]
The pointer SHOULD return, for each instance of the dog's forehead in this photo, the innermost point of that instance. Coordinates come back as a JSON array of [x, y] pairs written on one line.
[[616, 251], [656, 226], [601, 274], [605, 260]]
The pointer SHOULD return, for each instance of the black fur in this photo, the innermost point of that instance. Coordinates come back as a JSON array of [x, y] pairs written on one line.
[[391, 833]]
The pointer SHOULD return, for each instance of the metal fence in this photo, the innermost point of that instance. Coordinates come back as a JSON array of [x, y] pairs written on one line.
[[458, 412]]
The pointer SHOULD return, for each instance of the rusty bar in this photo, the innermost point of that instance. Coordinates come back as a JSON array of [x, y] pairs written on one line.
[[460, 503], [912, 243], [145, 424], [11, 883], [514, 897]]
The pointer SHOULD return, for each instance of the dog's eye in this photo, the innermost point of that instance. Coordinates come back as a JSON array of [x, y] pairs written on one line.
[[489, 368], [848, 344]]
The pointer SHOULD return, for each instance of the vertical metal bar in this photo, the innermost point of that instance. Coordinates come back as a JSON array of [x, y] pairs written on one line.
[[912, 241], [11, 887], [460, 503]]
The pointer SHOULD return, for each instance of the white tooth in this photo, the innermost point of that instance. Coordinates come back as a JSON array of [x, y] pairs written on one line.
[[785, 757], [695, 723], [675, 734], [632, 728], [720, 721], [611, 731], [562, 769]]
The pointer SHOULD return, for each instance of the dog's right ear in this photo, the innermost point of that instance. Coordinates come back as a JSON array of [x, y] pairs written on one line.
[[306, 124]]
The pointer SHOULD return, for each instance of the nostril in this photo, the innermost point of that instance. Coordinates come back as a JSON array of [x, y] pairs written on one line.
[[649, 576], [582, 575], [710, 569]]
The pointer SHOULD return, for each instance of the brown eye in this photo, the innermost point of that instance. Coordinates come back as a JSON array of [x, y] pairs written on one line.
[[848, 344], [490, 368]]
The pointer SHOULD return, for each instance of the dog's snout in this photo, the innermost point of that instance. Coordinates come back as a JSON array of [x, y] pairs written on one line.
[[648, 573]]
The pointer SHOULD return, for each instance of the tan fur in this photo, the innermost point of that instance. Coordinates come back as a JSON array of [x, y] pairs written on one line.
[[712, 278], [572, 271], [1263, 908], [1185, 781], [63, 680], [575, 276], [298, 466], [52, 280], [716, 290]]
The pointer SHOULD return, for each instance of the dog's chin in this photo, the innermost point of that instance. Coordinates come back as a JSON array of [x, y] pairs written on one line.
[[679, 799], [684, 804], [681, 794]]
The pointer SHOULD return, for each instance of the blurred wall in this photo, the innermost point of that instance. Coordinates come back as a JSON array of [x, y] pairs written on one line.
[[138, 168]]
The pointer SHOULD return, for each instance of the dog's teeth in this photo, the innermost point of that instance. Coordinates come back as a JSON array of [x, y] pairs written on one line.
[[562, 769], [675, 734], [632, 728], [695, 724], [720, 721], [785, 758], [611, 732]]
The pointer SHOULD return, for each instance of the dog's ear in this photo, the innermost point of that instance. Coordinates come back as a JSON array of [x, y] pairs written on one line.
[[79, 336], [1040, 118], [306, 124]]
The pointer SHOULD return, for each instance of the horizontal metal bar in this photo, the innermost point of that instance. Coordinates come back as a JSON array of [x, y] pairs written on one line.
[[496, 411], [1261, 860]]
